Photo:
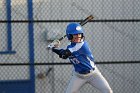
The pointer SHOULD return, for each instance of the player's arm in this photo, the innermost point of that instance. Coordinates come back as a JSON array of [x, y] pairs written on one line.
[[61, 52], [64, 54]]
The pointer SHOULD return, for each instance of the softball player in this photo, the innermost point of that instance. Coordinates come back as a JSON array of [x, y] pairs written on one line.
[[79, 54]]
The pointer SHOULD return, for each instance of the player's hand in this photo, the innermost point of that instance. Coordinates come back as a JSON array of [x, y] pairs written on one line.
[[54, 44], [50, 46]]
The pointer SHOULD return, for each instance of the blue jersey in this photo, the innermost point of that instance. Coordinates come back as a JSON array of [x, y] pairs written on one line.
[[81, 57]]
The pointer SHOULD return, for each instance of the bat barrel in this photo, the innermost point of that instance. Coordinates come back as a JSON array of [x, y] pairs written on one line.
[[62, 37], [86, 20]]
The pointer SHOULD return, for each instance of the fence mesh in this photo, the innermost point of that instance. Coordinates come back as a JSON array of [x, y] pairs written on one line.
[[113, 37]]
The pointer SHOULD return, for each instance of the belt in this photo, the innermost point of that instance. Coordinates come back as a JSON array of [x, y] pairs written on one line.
[[86, 72]]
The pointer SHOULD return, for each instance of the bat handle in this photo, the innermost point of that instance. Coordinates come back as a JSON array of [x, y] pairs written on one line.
[[62, 37]]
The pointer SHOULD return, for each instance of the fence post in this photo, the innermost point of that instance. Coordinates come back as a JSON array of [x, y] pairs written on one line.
[[9, 36], [31, 44]]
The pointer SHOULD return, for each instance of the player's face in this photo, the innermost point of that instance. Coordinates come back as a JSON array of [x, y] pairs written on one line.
[[77, 38]]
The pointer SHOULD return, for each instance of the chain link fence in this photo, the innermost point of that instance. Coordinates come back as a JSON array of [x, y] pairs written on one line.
[[113, 37]]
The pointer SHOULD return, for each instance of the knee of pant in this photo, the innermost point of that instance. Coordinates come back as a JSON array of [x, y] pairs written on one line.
[[110, 91], [107, 91]]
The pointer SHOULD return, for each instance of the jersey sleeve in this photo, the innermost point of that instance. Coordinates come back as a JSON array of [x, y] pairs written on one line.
[[64, 54], [80, 48], [85, 49]]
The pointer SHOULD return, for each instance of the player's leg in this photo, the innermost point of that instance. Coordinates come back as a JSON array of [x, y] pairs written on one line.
[[98, 81], [75, 84]]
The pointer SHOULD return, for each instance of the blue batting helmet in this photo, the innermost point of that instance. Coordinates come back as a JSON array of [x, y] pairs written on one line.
[[73, 28]]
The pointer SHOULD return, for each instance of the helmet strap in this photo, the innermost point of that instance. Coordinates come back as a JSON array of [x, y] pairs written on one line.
[[70, 37]]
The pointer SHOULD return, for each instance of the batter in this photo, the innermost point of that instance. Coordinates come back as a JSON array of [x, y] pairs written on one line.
[[79, 54]]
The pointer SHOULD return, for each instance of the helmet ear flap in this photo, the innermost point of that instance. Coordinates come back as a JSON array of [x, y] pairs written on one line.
[[82, 35], [70, 36]]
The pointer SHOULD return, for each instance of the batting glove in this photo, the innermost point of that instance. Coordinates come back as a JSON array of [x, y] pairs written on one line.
[[54, 44], [50, 46]]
